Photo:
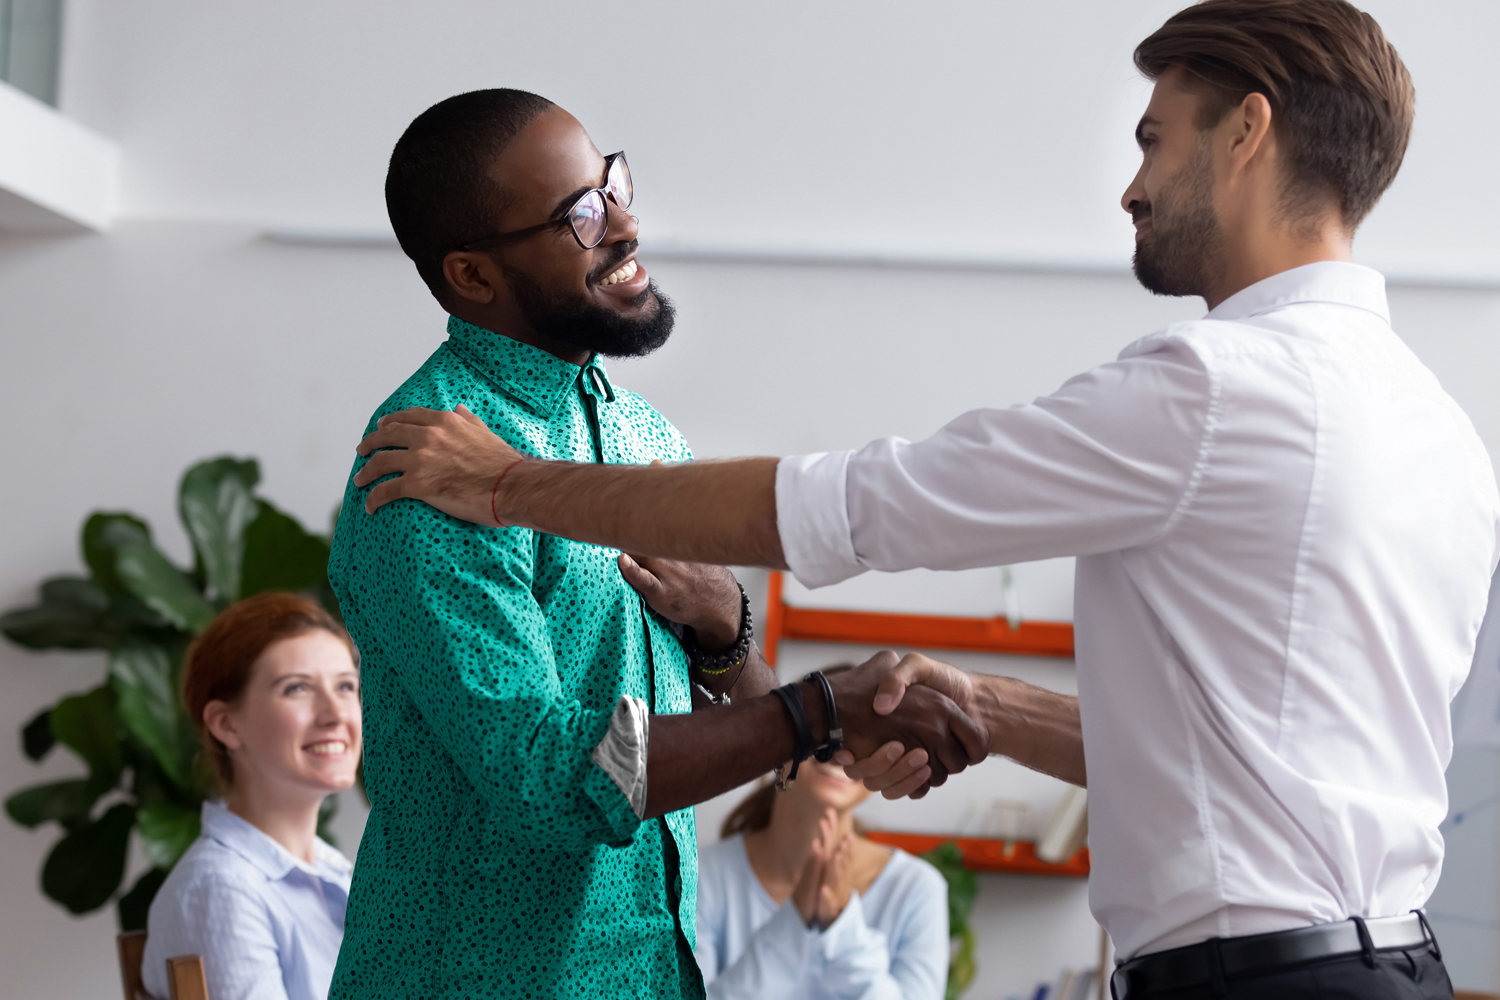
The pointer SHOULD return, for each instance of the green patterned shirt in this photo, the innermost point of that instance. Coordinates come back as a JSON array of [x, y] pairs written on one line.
[[499, 860]]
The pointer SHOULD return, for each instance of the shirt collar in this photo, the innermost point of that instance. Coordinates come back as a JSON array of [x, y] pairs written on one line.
[[264, 854], [1330, 281], [537, 379]]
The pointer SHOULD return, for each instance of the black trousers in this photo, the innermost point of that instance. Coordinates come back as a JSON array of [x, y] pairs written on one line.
[[1397, 975]]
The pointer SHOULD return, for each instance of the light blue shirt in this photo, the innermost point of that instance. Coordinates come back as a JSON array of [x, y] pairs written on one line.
[[267, 924], [890, 943]]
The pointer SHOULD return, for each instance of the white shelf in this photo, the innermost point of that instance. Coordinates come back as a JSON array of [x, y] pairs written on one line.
[[55, 175]]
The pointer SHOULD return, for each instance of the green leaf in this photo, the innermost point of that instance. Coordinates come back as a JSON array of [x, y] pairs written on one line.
[[130, 617], [148, 705], [36, 735], [86, 867], [66, 802], [99, 552], [136, 904], [963, 885], [166, 832], [71, 615], [86, 724], [963, 968], [216, 505], [140, 569], [282, 555], [327, 809]]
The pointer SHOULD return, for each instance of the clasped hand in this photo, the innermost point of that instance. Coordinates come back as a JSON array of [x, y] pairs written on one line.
[[827, 881], [889, 704]]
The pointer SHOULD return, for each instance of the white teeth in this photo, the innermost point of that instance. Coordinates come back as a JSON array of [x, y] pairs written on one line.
[[623, 274], [330, 747]]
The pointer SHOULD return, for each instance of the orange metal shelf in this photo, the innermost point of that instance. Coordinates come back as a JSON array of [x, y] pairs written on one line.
[[983, 854], [866, 628]]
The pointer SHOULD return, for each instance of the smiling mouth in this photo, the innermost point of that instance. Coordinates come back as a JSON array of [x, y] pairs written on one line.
[[328, 748], [625, 272]]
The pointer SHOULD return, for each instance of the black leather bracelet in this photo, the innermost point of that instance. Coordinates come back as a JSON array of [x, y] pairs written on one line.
[[824, 753], [802, 745]]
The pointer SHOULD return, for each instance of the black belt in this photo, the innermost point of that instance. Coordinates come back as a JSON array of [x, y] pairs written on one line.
[[1218, 959]]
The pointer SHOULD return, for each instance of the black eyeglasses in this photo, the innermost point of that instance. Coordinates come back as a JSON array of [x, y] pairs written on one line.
[[588, 217]]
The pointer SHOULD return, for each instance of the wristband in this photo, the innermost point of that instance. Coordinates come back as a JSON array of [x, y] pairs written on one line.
[[802, 745], [718, 664], [496, 489], [824, 753]]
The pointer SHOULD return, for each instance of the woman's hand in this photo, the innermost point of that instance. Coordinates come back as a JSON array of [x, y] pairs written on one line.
[[827, 880], [838, 882], [808, 892]]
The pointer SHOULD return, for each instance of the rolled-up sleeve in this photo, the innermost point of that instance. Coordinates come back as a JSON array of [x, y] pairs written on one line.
[[1104, 463], [813, 517]]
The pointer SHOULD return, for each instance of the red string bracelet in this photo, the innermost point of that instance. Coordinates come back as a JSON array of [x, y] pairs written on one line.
[[495, 489]]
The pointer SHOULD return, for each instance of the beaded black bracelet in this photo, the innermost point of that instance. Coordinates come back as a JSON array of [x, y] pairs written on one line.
[[718, 664]]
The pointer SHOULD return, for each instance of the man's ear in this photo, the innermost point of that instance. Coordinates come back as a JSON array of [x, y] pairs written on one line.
[[1250, 130], [471, 276]]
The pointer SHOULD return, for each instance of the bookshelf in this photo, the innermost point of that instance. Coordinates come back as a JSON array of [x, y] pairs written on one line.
[[985, 854], [871, 628]]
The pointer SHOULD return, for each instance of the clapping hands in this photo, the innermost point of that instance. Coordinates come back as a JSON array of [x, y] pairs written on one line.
[[827, 880]]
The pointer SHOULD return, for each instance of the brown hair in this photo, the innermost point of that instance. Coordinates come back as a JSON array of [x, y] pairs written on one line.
[[218, 663], [752, 814], [1341, 99]]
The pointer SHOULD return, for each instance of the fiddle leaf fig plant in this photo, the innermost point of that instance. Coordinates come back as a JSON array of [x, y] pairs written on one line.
[[139, 751]]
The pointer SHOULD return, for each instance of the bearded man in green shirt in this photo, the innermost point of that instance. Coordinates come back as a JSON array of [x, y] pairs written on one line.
[[531, 750]]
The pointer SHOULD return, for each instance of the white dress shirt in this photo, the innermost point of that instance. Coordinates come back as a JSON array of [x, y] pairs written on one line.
[[267, 924], [1285, 531], [890, 943]]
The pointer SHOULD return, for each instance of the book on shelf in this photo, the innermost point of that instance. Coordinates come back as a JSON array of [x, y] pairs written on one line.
[[1067, 829]]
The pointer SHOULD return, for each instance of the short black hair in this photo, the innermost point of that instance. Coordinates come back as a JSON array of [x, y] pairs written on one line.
[[437, 189]]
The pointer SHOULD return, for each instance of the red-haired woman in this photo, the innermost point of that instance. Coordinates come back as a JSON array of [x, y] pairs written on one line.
[[273, 688]]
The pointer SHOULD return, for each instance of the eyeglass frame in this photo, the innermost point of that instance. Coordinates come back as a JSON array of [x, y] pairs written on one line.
[[565, 219]]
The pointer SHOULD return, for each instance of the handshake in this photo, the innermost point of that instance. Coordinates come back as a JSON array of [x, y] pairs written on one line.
[[908, 723]]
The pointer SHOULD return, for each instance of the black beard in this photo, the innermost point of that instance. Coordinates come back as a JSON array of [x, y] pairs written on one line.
[[576, 322], [1183, 253]]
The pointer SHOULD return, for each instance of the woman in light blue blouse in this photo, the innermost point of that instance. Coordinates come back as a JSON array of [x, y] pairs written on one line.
[[273, 688], [793, 902]]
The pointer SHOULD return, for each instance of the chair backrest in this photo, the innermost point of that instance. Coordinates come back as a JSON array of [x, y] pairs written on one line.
[[131, 946], [185, 977]]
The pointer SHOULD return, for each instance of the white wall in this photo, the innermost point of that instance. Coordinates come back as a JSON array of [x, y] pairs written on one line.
[[870, 128], [999, 128]]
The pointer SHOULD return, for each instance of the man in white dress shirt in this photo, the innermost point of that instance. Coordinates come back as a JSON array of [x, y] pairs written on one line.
[[1284, 528]]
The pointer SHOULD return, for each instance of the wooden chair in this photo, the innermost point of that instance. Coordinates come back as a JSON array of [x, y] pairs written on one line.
[[185, 975]]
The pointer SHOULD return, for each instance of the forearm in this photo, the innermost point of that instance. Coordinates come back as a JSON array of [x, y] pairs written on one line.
[[757, 679], [1032, 726], [698, 755], [711, 512]]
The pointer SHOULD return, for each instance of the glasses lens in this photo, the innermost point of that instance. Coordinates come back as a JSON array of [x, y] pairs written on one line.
[[618, 181], [588, 219]]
